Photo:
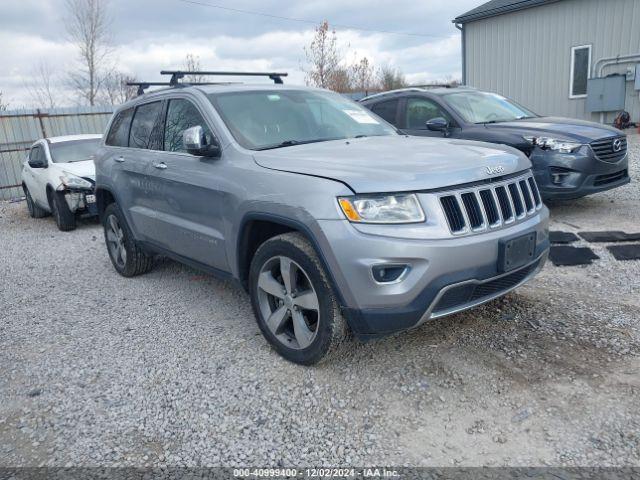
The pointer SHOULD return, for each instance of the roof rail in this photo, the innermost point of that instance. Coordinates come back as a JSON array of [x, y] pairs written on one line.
[[142, 86], [178, 74]]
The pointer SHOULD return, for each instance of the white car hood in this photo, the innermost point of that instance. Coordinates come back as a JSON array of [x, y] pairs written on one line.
[[85, 169]]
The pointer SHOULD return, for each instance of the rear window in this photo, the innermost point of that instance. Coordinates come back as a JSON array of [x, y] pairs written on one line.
[[142, 125], [119, 133]]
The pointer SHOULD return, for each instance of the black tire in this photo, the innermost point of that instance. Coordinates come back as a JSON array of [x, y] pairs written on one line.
[[329, 329], [65, 218], [135, 261], [34, 210]]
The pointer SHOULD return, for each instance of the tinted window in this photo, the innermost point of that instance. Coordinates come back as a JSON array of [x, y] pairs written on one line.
[[119, 133], [37, 154], [142, 125], [182, 114], [580, 70], [76, 151], [386, 110], [420, 111]]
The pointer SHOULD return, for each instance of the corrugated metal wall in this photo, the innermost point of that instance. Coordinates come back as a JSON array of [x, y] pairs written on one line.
[[526, 55], [20, 128]]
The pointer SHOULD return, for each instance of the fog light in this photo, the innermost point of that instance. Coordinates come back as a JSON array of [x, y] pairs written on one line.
[[558, 178], [389, 273]]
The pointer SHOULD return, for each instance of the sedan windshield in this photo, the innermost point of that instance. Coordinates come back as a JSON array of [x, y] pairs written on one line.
[[483, 107], [265, 119], [73, 151]]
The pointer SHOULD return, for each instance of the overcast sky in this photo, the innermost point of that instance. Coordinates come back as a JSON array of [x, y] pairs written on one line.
[[149, 35]]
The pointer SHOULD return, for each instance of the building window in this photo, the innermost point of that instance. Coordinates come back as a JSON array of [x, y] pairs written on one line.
[[580, 68]]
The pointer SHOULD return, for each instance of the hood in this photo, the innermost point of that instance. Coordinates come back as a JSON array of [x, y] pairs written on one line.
[[85, 169], [396, 163], [567, 128]]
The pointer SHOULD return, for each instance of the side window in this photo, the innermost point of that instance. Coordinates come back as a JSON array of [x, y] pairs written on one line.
[[580, 66], [118, 135], [420, 111], [386, 110], [182, 114], [142, 125], [36, 153]]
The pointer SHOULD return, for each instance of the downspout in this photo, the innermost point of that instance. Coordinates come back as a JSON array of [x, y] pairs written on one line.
[[460, 26], [603, 63]]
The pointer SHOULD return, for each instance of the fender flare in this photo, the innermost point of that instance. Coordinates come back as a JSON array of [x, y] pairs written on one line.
[[294, 224]]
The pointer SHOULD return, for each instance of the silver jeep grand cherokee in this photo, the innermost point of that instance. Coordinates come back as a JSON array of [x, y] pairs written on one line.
[[333, 222]]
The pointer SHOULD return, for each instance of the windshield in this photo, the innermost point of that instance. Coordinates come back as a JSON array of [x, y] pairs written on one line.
[[74, 151], [260, 120], [482, 107]]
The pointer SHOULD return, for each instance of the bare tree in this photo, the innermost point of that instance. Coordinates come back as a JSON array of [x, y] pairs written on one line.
[[88, 25], [192, 64], [41, 87], [324, 59], [115, 89], [3, 106], [391, 78], [362, 75]]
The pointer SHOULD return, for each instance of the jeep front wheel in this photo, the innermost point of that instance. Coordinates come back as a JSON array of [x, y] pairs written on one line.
[[294, 303]]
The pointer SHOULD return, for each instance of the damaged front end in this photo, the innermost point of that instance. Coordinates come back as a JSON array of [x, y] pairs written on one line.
[[79, 193]]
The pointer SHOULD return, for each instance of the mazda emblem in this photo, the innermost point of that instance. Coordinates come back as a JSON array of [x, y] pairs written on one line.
[[617, 145]]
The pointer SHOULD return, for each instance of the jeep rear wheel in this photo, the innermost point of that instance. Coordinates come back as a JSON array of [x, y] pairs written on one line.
[[126, 256], [295, 306]]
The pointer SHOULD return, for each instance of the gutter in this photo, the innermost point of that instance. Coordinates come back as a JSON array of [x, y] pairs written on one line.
[[460, 26]]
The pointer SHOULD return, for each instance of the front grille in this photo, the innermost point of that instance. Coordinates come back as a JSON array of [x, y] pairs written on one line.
[[458, 297], [484, 207], [605, 149], [609, 178]]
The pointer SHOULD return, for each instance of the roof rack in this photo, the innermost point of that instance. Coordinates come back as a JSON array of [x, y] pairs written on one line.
[[142, 86], [178, 74]]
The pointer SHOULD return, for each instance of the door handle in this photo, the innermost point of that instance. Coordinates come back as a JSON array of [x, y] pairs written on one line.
[[119, 159], [160, 166]]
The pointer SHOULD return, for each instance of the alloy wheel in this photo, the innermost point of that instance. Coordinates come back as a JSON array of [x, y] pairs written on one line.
[[288, 302], [115, 241]]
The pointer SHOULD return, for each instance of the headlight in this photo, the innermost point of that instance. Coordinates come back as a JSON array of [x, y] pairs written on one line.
[[70, 180], [400, 208], [548, 143]]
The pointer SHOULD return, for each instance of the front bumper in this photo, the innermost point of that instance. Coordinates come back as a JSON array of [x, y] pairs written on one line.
[[81, 201], [581, 173], [453, 264]]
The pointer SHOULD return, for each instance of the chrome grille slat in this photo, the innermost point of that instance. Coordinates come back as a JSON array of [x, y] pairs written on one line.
[[479, 208], [603, 149]]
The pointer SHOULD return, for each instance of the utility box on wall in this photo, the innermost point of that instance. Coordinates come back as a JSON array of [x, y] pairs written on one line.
[[606, 94], [638, 77]]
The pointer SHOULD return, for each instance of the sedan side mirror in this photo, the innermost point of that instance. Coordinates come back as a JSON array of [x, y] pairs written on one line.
[[438, 124], [195, 143]]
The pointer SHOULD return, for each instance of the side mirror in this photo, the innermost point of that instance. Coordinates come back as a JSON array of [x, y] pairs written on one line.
[[38, 163], [195, 143], [438, 124]]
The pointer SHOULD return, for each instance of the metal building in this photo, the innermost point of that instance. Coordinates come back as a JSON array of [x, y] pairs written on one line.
[[572, 58]]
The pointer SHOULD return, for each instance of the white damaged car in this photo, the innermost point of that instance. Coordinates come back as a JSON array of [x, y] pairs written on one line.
[[58, 178]]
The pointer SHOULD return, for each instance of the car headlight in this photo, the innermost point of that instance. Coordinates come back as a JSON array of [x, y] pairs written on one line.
[[70, 180], [548, 143], [399, 208]]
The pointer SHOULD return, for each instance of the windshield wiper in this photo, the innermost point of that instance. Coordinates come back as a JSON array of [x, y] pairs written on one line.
[[290, 143]]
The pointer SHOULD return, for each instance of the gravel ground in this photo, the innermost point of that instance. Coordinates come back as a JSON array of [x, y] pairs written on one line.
[[170, 368]]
